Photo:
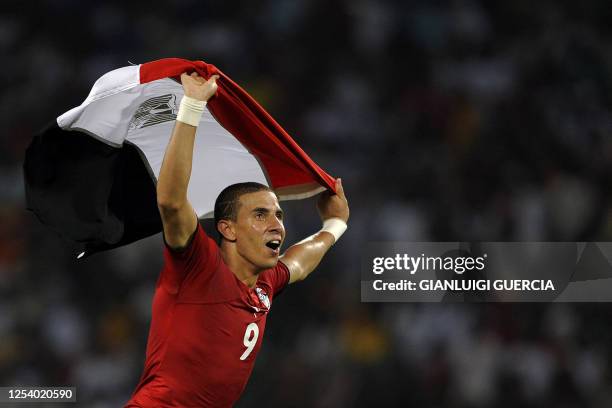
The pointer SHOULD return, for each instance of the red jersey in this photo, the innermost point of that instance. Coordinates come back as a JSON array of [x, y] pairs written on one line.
[[206, 329]]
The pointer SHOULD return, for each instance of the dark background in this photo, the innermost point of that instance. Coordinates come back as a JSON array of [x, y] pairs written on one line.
[[447, 120]]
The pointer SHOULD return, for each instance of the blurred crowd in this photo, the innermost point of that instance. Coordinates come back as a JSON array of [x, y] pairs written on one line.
[[447, 120]]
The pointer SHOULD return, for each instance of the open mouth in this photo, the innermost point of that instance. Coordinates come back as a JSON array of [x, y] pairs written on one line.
[[273, 244]]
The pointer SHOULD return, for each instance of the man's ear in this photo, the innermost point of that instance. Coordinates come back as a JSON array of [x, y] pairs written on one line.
[[226, 229]]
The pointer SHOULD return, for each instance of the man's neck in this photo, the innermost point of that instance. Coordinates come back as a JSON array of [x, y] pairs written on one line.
[[245, 271]]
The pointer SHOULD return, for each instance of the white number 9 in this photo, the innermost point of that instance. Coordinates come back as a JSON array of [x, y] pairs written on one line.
[[250, 339]]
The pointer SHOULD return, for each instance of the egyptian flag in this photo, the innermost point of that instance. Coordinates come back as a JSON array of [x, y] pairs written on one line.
[[92, 175]]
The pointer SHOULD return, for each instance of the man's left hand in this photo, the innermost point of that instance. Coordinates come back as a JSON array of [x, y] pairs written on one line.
[[332, 205]]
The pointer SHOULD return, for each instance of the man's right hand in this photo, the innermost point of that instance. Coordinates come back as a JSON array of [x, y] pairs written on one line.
[[197, 87], [332, 205]]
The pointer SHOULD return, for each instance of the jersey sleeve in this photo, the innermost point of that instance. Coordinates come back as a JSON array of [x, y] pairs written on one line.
[[193, 259], [278, 278]]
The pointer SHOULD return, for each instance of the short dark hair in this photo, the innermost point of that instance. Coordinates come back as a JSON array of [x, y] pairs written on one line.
[[228, 201]]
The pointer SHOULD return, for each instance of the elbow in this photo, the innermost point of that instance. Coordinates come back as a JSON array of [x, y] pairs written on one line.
[[169, 197], [300, 276], [167, 205], [298, 271]]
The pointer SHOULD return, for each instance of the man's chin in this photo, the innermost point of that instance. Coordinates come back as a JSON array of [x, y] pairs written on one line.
[[269, 263], [273, 262]]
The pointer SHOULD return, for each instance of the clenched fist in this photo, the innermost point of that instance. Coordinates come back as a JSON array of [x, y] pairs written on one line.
[[332, 205], [197, 87]]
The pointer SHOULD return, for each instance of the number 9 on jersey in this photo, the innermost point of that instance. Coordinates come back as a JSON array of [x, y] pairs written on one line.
[[250, 339]]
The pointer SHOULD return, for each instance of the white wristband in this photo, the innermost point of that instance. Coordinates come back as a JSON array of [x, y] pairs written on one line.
[[190, 111], [334, 226]]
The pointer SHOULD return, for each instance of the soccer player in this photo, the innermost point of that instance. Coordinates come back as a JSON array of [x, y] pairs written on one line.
[[211, 301]]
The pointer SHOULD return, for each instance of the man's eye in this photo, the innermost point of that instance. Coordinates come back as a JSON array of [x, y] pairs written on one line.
[[259, 216]]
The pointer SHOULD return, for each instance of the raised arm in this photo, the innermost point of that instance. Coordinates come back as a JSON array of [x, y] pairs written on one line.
[[178, 217], [303, 257]]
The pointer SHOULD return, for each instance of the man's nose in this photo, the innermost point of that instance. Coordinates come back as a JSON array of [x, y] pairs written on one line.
[[276, 224]]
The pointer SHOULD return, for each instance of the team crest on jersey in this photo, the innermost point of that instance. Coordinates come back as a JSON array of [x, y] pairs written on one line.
[[154, 111], [263, 297]]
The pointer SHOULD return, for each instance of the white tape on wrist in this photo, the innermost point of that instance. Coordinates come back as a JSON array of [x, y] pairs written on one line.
[[334, 226], [190, 111]]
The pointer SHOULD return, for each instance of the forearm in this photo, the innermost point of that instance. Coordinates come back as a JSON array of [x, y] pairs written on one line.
[[178, 217], [176, 168], [302, 258]]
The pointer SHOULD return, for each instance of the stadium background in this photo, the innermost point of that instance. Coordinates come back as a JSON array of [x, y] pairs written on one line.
[[447, 120]]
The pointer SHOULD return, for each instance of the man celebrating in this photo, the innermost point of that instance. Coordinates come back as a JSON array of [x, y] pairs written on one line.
[[211, 302]]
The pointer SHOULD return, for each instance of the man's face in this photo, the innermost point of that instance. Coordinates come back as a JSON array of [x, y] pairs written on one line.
[[259, 229]]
